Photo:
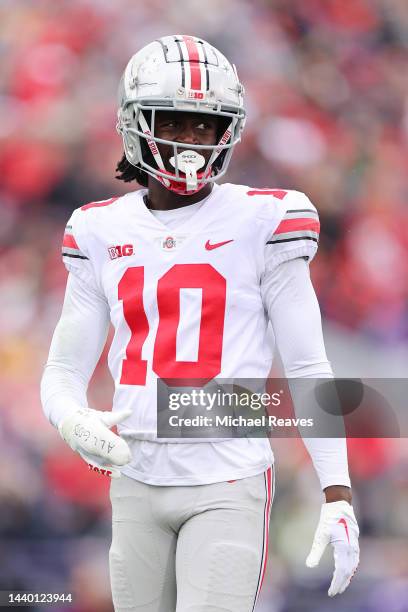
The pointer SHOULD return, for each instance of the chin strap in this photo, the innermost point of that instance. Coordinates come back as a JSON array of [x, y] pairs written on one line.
[[223, 140], [153, 146]]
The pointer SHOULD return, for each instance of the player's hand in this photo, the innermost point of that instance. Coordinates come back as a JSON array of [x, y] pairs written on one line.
[[338, 527], [88, 432]]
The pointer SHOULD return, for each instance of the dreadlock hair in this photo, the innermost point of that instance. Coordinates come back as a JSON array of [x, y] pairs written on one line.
[[129, 173]]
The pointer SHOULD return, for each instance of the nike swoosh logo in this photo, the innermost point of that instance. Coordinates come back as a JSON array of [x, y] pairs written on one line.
[[342, 521], [216, 245]]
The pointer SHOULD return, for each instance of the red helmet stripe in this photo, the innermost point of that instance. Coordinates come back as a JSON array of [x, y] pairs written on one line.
[[193, 62]]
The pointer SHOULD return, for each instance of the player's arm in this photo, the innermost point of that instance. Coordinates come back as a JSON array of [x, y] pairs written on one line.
[[293, 310], [77, 343]]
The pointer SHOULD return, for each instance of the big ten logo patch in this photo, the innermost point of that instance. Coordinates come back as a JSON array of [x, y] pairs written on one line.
[[195, 95], [123, 250]]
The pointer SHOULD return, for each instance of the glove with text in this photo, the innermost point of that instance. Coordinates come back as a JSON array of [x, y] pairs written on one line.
[[87, 432], [338, 527]]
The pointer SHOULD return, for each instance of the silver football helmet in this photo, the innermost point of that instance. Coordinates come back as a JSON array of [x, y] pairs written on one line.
[[179, 73]]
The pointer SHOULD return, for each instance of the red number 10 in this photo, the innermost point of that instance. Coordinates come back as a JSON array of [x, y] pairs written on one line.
[[165, 364]]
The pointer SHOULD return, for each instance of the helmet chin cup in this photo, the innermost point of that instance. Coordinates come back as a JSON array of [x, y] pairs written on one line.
[[184, 187], [188, 162]]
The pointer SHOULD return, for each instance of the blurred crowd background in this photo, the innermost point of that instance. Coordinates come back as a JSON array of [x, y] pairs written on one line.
[[327, 99]]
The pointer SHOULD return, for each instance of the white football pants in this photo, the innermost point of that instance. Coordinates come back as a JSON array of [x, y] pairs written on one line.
[[189, 549]]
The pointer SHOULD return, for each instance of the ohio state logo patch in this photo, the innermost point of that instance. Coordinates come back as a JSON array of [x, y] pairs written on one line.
[[169, 243]]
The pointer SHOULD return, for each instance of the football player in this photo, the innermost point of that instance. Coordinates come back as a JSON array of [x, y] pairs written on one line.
[[190, 273]]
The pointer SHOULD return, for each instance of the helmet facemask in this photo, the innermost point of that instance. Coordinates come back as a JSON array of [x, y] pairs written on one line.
[[142, 150]]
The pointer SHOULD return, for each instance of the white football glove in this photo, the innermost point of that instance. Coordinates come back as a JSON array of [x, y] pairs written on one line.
[[338, 527], [88, 433]]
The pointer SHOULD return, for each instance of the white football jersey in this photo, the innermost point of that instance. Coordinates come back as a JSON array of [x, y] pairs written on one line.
[[186, 303]]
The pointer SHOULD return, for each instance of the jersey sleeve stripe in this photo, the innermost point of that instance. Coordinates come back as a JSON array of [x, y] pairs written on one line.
[[292, 237], [74, 255], [303, 210], [69, 241], [72, 252], [70, 247], [299, 215], [298, 224]]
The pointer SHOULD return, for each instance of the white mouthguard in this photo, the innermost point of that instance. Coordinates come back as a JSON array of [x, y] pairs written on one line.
[[189, 162]]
